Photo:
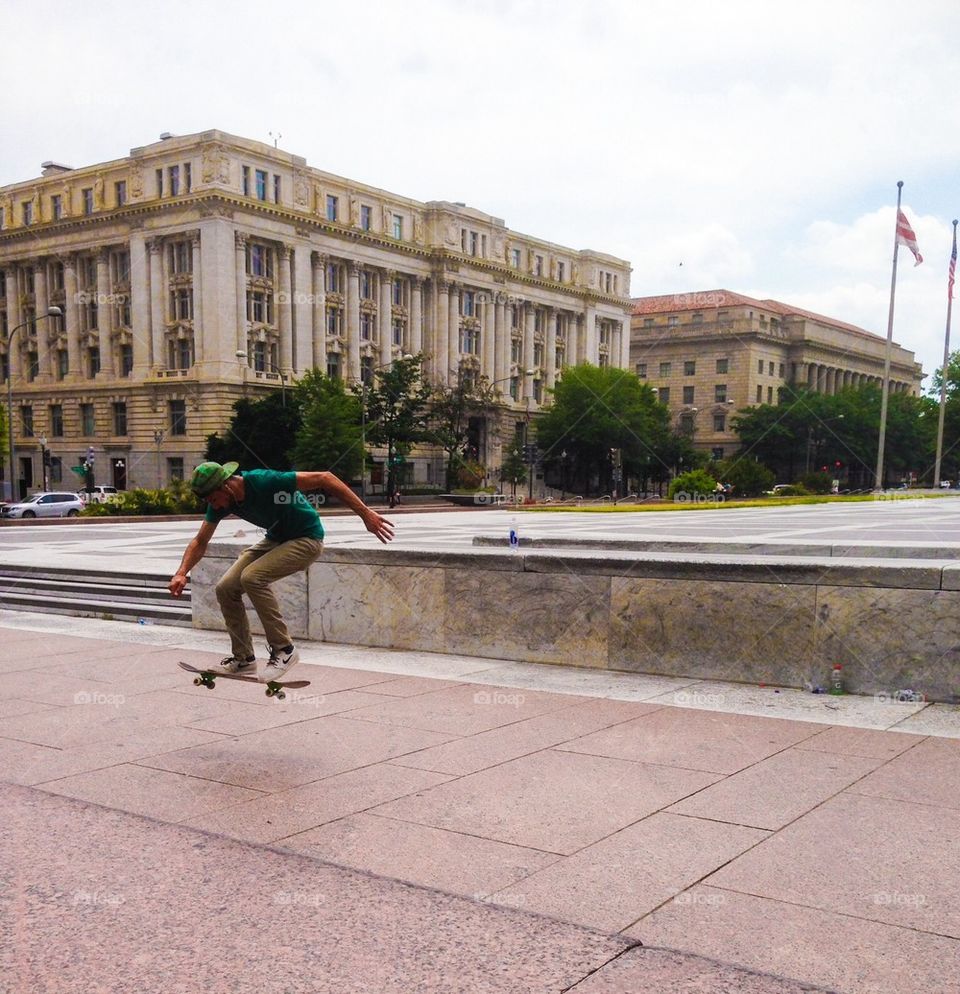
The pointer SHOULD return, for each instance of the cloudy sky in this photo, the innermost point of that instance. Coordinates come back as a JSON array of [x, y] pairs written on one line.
[[754, 146]]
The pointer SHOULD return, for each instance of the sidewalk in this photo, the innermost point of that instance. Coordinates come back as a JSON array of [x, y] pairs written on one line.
[[415, 822]]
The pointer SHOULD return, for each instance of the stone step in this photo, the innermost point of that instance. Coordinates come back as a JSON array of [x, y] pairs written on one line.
[[175, 614]]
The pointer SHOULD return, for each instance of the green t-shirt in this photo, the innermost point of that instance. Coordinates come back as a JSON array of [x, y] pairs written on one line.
[[271, 500]]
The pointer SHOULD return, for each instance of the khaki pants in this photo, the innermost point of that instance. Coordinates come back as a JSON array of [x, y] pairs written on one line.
[[258, 567]]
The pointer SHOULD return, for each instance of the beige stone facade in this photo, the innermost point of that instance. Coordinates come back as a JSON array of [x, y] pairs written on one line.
[[170, 262], [712, 353]]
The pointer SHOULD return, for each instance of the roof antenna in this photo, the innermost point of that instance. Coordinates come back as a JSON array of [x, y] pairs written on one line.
[[276, 137]]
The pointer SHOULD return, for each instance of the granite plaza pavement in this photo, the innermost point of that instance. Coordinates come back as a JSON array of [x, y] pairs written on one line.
[[415, 821]]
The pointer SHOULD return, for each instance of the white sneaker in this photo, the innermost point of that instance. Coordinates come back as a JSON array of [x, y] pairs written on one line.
[[231, 665], [278, 663]]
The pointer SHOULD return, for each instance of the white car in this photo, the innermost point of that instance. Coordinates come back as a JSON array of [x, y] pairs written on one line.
[[100, 495], [45, 505]]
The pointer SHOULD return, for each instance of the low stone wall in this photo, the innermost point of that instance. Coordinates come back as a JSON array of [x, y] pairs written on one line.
[[758, 620]]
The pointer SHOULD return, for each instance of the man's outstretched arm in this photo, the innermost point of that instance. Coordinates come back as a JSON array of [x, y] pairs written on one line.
[[194, 552], [375, 523]]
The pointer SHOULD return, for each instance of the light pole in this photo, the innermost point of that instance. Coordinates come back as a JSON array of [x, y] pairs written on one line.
[[158, 436], [43, 459], [52, 312], [274, 368]]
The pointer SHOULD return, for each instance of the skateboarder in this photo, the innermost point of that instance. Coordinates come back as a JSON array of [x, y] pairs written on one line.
[[294, 540]]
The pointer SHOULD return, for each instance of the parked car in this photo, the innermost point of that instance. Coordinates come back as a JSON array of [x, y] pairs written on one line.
[[45, 505], [99, 495]]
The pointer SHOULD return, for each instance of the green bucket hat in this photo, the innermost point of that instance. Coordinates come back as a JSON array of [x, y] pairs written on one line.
[[209, 476]]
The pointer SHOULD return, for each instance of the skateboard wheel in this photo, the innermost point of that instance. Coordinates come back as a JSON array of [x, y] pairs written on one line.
[[281, 695], [197, 681], [211, 685]]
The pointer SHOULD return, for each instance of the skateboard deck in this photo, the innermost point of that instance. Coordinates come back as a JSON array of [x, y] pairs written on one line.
[[208, 679]]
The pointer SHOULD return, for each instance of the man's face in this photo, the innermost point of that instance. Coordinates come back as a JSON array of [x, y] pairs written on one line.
[[221, 498]]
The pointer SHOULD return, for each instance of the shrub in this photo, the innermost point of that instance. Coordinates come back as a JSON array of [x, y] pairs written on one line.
[[817, 483], [697, 481]]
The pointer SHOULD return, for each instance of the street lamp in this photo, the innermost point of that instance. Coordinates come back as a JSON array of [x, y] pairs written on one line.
[[52, 312], [274, 368], [43, 459], [158, 436]]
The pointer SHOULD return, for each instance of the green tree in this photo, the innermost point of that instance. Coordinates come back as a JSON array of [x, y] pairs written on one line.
[[450, 411], [513, 469], [261, 433], [329, 434], [698, 482], [748, 477], [394, 407], [596, 409]]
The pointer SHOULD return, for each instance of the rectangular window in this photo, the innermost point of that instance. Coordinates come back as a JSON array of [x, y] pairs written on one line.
[[56, 420], [181, 304], [178, 417], [397, 332], [159, 175], [689, 367], [332, 208], [515, 258], [648, 322], [276, 188], [261, 180], [642, 370], [781, 370], [93, 361], [467, 308], [760, 366], [672, 321], [723, 365], [515, 348], [26, 421], [56, 206], [397, 226], [33, 362], [181, 258], [366, 217], [187, 177], [366, 326], [333, 278], [87, 423], [769, 395], [87, 195], [663, 395], [697, 319], [759, 394], [398, 292], [366, 285], [126, 360], [720, 393], [246, 181], [333, 365], [474, 243], [173, 173], [26, 209], [688, 395], [664, 368], [63, 364], [175, 468], [119, 418], [719, 422], [538, 266], [334, 321], [258, 259], [561, 272]]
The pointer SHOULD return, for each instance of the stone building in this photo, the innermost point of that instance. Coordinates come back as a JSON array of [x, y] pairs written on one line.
[[205, 268], [712, 353]]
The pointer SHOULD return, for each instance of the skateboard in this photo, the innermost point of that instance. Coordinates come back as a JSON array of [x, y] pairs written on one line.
[[208, 679]]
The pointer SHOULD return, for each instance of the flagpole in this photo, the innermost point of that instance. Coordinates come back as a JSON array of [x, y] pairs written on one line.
[[946, 362], [878, 483]]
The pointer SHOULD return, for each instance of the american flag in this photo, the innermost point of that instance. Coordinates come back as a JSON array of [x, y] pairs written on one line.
[[905, 236], [953, 264]]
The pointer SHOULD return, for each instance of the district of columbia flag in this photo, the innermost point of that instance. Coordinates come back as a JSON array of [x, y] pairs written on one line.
[[905, 236], [953, 265]]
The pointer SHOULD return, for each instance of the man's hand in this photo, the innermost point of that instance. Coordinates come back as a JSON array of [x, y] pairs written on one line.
[[177, 584], [377, 524]]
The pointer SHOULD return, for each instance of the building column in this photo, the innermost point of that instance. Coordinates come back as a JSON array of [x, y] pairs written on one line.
[[385, 317], [139, 305], [71, 316], [625, 344], [529, 319], [501, 341], [573, 339], [158, 285], [47, 353], [285, 312], [488, 365], [550, 348], [318, 264], [13, 320], [240, 256], [453, 333], [302, 307], [199, 345], [353, 321], [590, 351], [104, 316], [415, 333]]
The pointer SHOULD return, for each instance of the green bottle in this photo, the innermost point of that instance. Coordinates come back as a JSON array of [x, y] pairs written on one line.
[[836, 679]]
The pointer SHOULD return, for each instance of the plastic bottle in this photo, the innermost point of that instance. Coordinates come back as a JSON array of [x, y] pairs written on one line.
[[836, 679], [514, 535]]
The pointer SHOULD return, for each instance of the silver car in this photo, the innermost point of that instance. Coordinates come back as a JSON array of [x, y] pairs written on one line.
[[45, 505]]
